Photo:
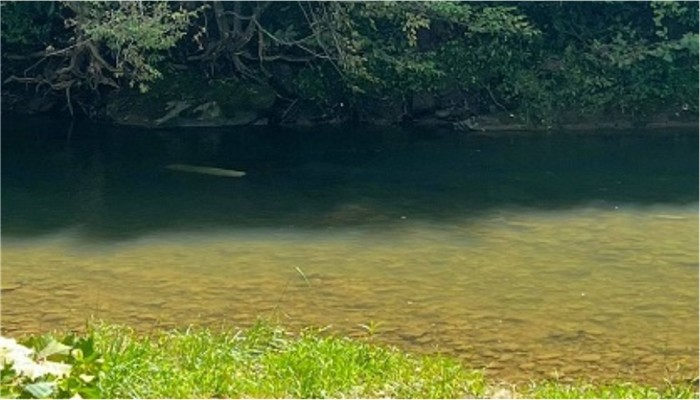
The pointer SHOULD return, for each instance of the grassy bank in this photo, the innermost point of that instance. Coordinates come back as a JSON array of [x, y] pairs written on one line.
[[265, 361]]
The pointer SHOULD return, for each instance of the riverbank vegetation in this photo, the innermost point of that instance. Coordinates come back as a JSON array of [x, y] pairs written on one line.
[[264, 361], [538, 63]]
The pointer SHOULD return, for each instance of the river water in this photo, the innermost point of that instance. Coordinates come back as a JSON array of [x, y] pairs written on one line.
[[530, 255]]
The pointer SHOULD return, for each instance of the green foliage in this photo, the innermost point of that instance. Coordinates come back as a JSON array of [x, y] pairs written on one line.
[[533, 59], [315, 83], [612, 60], [135, 32], [79, 353], [266, 361], [27, 23], [393, 49], [474, 36]]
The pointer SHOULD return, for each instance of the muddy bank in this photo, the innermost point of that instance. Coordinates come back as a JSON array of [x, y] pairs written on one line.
[[193, 102]]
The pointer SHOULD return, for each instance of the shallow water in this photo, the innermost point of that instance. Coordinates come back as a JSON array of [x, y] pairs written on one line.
[[571, 256]]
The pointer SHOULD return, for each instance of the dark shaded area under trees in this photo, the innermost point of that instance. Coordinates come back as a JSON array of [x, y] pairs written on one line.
[[180, 63]]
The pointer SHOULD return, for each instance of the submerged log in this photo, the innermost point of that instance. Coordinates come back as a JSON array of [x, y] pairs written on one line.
[[230, 173]]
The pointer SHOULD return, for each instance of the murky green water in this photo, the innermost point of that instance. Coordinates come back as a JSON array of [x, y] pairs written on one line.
[[532, 256]]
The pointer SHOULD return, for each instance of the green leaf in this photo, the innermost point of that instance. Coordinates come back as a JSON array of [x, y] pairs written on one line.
[[90, 393], [54, 347], [689, 41], [41, 390]]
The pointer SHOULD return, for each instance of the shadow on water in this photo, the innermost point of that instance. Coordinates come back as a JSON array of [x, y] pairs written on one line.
[[112, 182]]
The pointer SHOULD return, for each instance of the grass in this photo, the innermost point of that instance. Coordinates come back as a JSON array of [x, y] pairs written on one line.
[[624, 390], [266, 361]]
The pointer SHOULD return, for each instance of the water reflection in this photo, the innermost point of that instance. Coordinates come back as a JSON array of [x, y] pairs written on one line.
[[113, 182]]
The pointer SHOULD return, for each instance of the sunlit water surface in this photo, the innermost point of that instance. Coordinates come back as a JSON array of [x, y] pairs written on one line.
[[575, 283]]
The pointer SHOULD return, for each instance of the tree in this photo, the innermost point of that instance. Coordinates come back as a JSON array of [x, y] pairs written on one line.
[[532, 59], [101, 43]]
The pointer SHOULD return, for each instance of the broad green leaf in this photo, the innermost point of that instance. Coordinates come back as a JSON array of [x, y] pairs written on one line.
[[54, 347], [53, 368], [41, 390]]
